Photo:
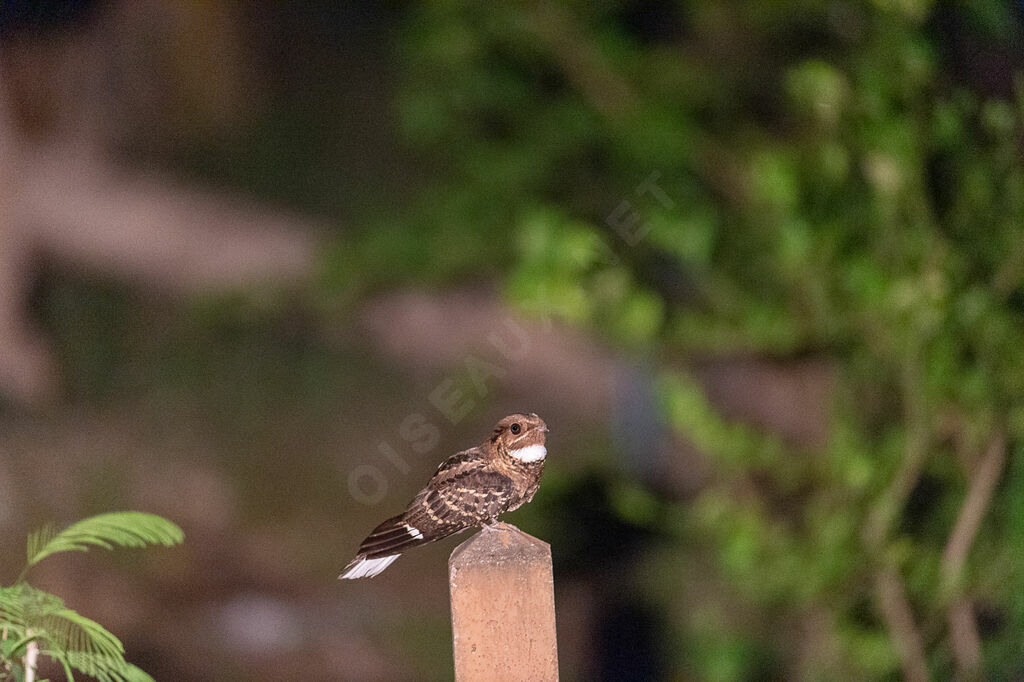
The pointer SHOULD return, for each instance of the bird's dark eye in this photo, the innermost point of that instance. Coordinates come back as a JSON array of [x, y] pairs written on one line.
[[515, 428]]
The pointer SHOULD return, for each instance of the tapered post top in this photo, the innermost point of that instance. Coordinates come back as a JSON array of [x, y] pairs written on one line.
[[503, 607]]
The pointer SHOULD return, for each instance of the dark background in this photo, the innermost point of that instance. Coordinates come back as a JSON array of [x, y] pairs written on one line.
[[759, 266]]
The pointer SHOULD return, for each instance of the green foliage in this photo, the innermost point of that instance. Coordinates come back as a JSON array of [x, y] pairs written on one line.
[[121, 529], [30, 617], [826, 185]]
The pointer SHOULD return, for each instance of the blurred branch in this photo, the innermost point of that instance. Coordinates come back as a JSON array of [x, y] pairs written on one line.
[[899, 619], [892, 600], [583, 66], [889, 505], [963, 635], [27, 371], [64, 199], [144, 227], [613, 97], [963, 632], [975, 505]]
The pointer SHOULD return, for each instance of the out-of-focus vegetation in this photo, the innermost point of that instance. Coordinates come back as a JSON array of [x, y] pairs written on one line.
[[34, 623], [838, 180], [833, 183]]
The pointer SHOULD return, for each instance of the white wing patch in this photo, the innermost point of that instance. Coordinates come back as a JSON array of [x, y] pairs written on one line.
[[531, 453], [366, 568], [414, 532]]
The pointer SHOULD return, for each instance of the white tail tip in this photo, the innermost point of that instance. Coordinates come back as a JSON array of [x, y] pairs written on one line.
[[362, 567]]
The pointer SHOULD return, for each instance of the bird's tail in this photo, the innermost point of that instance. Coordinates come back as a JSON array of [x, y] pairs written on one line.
[[382, 546]]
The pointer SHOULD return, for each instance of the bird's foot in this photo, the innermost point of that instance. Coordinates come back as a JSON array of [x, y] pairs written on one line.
[[498, 525]]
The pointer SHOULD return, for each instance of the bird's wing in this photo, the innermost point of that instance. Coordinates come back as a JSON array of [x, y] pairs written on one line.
[[452, 503], [462, 493], [458, 464]]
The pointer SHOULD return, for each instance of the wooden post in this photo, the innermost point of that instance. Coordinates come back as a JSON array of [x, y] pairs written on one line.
[[503, 607]]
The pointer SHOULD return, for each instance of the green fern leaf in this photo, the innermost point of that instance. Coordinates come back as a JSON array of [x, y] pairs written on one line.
[[116, 529], [103, 668], [75, 632], [39, 538], [30, 613]]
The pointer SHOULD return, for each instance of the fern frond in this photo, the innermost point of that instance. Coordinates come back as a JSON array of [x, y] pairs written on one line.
[[39, 538], [103, 668], [28, 612], [74, 632], [20, 605], [116, 529], [12, 607]]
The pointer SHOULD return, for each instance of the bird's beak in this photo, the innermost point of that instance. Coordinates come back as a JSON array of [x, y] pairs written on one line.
[[545, 428]]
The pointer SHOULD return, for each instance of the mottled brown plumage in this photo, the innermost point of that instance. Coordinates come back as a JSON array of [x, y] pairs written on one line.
[[470, 488]]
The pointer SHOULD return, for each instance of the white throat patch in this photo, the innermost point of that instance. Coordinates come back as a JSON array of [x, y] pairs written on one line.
[[531, 453]]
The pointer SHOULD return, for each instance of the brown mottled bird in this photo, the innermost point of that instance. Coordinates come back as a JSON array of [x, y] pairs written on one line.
[[471, 488]]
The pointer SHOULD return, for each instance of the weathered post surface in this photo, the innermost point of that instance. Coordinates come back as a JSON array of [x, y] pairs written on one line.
[[503, 607]]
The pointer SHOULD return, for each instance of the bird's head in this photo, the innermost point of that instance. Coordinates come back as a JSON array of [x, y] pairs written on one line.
[[521, 436]]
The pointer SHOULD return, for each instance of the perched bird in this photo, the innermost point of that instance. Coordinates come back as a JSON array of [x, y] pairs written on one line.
[[471, 488]]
